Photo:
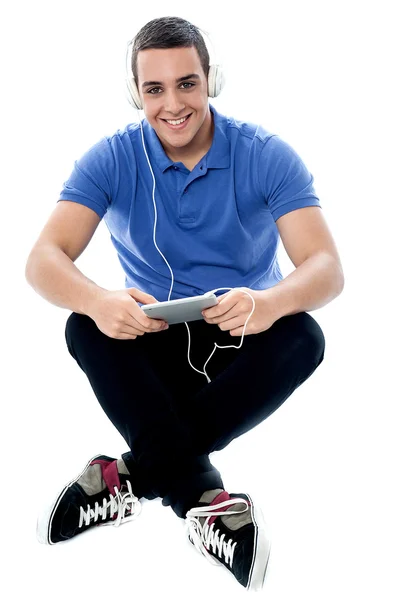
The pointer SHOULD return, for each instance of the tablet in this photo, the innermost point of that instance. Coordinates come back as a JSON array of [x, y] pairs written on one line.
[[181, 310]]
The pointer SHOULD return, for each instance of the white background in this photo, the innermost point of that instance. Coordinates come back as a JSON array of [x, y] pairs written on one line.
[[323, 468]]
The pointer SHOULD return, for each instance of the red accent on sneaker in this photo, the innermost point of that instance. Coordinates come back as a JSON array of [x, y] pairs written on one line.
[[222, 497], [109, 471]]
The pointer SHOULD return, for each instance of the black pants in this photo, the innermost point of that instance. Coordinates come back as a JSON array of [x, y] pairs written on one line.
[[169, 415]]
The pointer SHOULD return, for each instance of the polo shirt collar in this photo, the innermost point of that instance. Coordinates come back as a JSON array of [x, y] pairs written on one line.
[[217, 157]]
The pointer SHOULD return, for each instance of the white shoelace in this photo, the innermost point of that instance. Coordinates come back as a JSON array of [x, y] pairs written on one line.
[[119, 503], [203, 535]]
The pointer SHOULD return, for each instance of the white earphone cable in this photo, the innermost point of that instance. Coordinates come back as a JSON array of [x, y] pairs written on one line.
[[170, 291]]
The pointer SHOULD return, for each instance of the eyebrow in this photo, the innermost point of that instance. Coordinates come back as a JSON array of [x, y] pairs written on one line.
[[191, 76]]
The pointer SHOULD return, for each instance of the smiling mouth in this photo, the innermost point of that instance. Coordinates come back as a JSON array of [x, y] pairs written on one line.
[[177, 121]]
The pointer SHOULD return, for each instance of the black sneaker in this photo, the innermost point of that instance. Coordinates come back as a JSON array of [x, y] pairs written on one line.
[[244, 551], [100, 495]]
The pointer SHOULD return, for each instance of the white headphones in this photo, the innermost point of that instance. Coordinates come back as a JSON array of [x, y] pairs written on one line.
[[216, 81]]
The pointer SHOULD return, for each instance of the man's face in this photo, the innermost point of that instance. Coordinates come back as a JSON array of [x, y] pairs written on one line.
[[178, 89]]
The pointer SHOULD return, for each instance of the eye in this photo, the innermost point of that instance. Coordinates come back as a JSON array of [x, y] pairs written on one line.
[[153, 91]]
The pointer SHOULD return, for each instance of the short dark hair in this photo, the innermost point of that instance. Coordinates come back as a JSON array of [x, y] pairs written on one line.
[[169, 32]]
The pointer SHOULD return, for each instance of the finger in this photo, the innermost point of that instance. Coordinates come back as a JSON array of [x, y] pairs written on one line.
[[161, 328], [240, 330], [133, 334], [145, 324], [126, 336], [127, 333], [237, 332], [231, 324], [141, 296], [225, 305], [135, 328], [232, 303], [216, 320], [131, 330], [221, 310], [155, 325], [222, 296]]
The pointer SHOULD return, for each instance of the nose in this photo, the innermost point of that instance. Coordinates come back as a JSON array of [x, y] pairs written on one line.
[[173, 103]]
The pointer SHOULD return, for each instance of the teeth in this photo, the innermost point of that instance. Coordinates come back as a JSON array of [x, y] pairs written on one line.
[[177, 122]]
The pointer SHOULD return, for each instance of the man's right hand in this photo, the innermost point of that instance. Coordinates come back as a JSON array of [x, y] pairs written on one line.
[[117, 314]]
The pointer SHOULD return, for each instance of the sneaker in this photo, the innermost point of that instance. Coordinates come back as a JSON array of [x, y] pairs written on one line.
[[244, 551], [100, 495]]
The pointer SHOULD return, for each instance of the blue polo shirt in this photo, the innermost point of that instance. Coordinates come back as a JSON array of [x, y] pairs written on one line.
[[216, 225]]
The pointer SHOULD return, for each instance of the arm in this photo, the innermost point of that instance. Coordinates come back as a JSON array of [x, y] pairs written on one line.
[[50, 268], [318, 277]]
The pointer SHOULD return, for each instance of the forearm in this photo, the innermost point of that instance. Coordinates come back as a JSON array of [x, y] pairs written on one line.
[[315, 283], [54, 276]]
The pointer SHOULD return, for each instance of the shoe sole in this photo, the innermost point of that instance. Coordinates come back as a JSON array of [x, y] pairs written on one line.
[[45, 520], [262, 546]]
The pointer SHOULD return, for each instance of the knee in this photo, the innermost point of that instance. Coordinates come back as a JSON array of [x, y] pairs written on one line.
[[312, 338], [76, 325]]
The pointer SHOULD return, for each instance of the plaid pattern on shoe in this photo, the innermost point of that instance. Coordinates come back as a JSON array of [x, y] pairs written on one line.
[[99, 495], [244, 551]]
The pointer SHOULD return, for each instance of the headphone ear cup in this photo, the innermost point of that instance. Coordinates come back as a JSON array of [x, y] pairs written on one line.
[[216, 80], [133, 95]]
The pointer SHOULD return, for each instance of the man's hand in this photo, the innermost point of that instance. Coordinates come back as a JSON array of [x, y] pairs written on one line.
[[234, 308], [117, 314]]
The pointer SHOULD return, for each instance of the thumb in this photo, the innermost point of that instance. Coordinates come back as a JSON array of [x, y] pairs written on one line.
[[141, 296]]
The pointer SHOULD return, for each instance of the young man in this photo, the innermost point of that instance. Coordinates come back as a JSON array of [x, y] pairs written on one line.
[[225, 192]]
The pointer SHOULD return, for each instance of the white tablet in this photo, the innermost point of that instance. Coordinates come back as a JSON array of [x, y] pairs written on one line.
[[181, 310]]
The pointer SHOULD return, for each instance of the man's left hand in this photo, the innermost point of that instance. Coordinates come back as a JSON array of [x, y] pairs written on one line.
[[234, 308]]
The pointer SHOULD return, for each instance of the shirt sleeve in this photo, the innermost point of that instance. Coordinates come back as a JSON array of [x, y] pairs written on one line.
[[285, 181], [90, 182]]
